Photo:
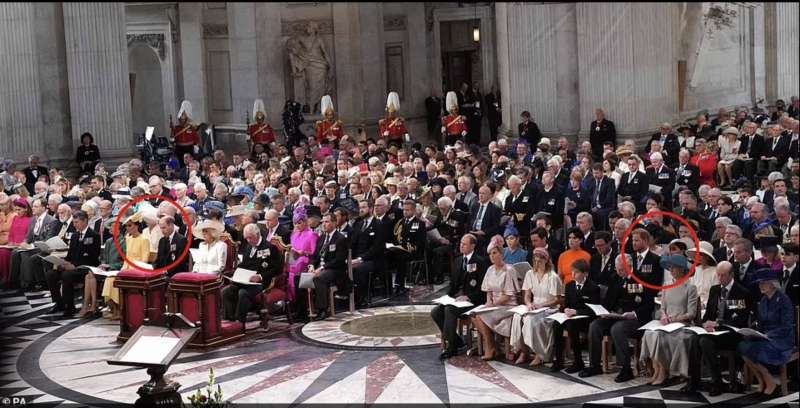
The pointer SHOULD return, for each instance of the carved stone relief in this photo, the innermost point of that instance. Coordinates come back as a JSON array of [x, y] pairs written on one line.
[[155, 41]]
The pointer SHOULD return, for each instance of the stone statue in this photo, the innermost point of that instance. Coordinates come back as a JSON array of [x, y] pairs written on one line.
[[310, 64]]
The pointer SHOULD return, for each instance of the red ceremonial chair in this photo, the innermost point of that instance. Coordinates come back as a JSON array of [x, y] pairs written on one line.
[[198, 296], [142, 296], [232, 258]]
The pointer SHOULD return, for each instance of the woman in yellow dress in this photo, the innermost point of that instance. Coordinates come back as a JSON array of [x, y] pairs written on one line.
[[137, 249]]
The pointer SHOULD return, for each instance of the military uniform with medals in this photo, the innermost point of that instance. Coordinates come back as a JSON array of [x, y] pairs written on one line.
[[267, 261], [466, 279], [450, 227], [520, 208], [411, 235]]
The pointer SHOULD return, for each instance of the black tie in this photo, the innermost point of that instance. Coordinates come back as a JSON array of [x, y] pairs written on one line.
[[579, 287], [465, 264], [723, 300]]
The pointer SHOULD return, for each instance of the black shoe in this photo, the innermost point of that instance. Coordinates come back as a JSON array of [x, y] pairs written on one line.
[[590, 371], [445, 355], [400, 291], [575, 368], [557, 366], [321, 316], [625, 375], [716, 389], [56, 309], [68, 314], [690, 388]]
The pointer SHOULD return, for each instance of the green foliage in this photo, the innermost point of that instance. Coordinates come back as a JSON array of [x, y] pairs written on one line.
[[211, 398]]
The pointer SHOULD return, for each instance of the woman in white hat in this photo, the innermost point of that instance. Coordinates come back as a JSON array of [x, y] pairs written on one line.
[[705, 275], [210, 257], [729, 144], [137, 250]]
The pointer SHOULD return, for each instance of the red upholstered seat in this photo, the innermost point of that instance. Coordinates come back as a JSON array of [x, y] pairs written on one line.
[[194, 277], [136, 274], [142, 295]]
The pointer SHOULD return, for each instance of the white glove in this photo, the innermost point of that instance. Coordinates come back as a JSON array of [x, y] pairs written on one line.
[[444, 129], [386, 133], [196, 149], [463, 133], [407, 138]]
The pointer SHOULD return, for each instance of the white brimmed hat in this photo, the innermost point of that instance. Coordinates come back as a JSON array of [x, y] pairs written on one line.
[[705, 248], [215, 226]]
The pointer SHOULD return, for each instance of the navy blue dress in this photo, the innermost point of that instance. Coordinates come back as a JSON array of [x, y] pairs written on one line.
[[776, 318]]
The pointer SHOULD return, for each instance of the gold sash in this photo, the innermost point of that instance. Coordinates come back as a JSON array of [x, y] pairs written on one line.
[[184, 130], [454, 121]]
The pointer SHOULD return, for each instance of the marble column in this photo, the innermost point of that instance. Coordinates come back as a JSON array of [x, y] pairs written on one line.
[[347, 57], [504, 65], [244, 67], [97, 67], [21, 126], [270, 60], [625, 54], [781, 54], [373, 65], [566, 38], [193, 60]]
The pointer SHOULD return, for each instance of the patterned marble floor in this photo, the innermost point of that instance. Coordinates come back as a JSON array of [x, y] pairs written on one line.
[[51, 362]]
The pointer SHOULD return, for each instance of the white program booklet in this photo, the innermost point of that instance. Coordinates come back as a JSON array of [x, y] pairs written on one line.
[[601, 311], [561, 317], [97, 271], [748, 332], [243, 276], [447, 300], [55, 260], [701, 331], [656, 325], [523, 310], [482, 309]]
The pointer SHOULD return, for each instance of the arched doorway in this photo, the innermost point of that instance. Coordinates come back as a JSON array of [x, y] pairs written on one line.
[[147, 99]]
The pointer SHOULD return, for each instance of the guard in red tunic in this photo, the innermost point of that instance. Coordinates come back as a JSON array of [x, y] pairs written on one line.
[[329, 129], [454, 126], [185, 135], [260, 132], [392, 128]]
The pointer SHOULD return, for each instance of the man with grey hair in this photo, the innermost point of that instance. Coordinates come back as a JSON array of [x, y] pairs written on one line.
[[725, 249], [450, 191], [720, 225], [519, 205], [620, 227], [775, 152], [450, 227], [750, 151], [744, 265], [705, 349]]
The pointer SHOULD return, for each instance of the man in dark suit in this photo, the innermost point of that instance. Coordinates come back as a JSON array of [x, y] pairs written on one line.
[[744, 266], [661, 176], [84, 250], [729, 303], [273, 229], [601, 131], [601, 270], [258, 255], [635, 304], [603, 195], [578, 293], [750, 151], [484, 221], [367, 243], [775, 151], [633, 185], [412, 238], [33, 172], [42, 227], [529, 130], [646, 264], [329, 265], [669, 143], [171, 247], [687, 174], [790, 277], [450, 225], [467, 278]]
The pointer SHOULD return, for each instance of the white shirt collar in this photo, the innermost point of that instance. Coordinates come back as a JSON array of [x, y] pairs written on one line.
[[729, 286], [468, 256]]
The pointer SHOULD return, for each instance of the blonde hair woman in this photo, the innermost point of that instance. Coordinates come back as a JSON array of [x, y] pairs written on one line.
[[137, 249], [541, 288], [501, 287]]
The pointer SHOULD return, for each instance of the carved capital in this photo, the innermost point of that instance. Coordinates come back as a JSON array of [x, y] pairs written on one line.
[[297, 28], [155, 41]]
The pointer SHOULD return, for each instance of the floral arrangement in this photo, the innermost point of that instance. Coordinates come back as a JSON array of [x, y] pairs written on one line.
[[211, 398]]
